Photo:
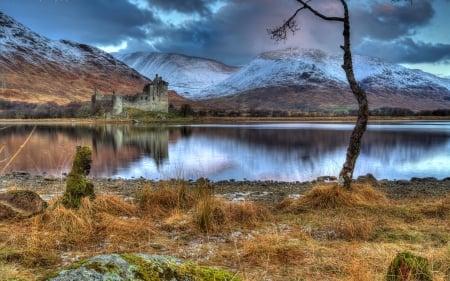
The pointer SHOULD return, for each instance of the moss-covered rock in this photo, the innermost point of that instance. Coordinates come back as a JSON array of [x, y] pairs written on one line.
[[408, 267], [20, 204], [77, 186], [139, 267]]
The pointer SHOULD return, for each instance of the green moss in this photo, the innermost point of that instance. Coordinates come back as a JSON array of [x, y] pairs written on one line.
[[77, 186], [407, 266], [82, 161], [170, 269]]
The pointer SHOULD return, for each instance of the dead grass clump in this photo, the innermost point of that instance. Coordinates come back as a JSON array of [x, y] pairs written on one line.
[[248, 213], [72, 227], [165, 197], [125, 233], [273, 249], [30, 248], [215, 214], [178, 221], [440, 209], [209, 215], [114, 205], [331, 196], [354, 229], [11, 272]]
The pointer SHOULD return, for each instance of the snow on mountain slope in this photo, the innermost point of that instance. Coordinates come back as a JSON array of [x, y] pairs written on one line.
[[186, 75], [316, 68], [37, 69]]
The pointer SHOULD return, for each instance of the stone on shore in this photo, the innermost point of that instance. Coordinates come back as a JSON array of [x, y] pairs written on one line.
[[145, 267], [20, 204]]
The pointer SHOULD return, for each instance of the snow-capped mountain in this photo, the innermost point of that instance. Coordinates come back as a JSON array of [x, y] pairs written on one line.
[[295, 77], [187, 75], [36, 69]]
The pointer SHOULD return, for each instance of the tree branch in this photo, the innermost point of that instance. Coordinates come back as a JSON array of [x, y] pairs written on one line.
[[317, 13], [280, 33]]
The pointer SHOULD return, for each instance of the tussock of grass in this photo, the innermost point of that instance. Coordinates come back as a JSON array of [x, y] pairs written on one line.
[[161, 199], [275, 249], [114, 205], [214, 215], [354, 229], [332, 196]]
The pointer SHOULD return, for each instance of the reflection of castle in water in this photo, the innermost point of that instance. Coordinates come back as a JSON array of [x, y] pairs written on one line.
[[149, 141]]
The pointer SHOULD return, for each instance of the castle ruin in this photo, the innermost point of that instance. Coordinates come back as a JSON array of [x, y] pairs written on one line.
[[154, 98]]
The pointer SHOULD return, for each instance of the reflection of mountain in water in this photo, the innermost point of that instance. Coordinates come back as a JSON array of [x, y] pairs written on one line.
[[305, 152], [51, 148], [313, 142]]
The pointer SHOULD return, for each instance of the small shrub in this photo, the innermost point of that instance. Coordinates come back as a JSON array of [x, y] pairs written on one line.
[[77, 186], [409, 267]]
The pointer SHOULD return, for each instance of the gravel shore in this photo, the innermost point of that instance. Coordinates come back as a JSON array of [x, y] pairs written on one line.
[[267, 191]]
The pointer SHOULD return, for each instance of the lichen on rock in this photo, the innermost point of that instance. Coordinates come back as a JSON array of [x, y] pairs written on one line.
[[141, 267]]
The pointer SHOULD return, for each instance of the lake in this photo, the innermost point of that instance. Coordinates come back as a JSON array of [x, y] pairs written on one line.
[[257, 151]]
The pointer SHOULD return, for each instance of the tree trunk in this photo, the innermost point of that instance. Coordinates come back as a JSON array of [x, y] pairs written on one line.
[[354, 145]]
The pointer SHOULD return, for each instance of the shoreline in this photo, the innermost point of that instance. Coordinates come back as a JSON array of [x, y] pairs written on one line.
[[226, 120], [263, 191]]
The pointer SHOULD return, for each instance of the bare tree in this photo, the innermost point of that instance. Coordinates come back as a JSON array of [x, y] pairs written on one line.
[[280, 33]]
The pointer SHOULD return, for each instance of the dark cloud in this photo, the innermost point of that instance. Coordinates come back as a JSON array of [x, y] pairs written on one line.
[[87, 21], [188, 7], [237, 32], [386, 20], [405, 50]]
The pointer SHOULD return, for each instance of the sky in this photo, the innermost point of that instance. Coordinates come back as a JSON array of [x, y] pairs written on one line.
[[235, 31]]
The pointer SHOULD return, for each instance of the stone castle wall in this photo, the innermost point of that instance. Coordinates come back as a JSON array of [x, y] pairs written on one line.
[[154, 97]]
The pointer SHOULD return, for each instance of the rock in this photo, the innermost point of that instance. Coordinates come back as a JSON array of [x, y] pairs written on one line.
[[122, 267], [326, 179], [368, 179], [20, 204]]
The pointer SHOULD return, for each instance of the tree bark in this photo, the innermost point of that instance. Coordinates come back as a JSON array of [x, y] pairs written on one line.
[[354, 146]]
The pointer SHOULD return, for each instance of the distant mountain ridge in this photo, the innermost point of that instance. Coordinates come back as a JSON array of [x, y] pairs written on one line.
[[36, 69], [187, 75], [298, 79]]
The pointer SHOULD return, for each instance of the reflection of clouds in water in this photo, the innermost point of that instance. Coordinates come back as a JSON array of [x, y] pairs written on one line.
[[189, 158], [405, 162]]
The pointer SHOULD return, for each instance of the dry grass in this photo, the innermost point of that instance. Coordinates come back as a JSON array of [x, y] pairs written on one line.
[[337, 235], [331, 195]]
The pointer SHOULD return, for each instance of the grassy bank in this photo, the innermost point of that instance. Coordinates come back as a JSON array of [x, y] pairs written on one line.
[[325, 235]]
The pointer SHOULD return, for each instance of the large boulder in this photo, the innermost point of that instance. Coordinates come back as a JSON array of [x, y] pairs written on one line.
[[136, 267], [20, 204]]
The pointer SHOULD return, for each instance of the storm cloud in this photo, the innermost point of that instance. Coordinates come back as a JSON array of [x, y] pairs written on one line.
[[234, 31], [87, 21], [193, 6], [406, 51]]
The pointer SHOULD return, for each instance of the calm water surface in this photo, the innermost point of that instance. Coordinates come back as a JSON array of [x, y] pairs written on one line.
[[263, 151]]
